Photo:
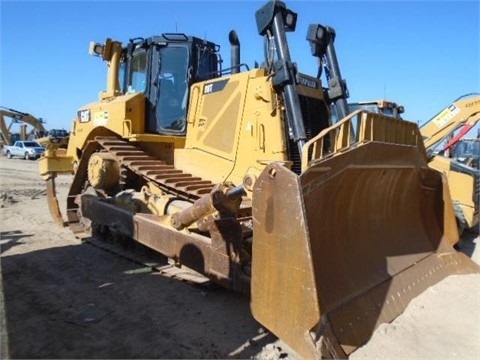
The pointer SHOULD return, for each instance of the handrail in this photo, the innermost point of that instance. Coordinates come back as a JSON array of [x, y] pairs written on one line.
[[357, 128]]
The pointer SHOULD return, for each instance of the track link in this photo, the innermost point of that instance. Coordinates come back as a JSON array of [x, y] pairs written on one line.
[[130, 157], [152, 261], [171, 180]]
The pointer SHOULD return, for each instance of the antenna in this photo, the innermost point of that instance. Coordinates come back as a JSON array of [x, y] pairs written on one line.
[[176, 23]]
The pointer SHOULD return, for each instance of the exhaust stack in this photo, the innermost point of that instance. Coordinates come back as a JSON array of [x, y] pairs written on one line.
[[235, 51]]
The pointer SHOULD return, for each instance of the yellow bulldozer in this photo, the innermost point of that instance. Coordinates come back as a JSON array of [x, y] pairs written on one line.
[[57, 138], [238, 174], [382, 106]]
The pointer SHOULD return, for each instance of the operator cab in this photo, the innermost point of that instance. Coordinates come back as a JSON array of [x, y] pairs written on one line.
[[58, 133], [163, 68], [467, 151]]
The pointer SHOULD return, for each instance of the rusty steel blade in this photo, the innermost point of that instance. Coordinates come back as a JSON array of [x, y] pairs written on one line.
[[347, 245], [53, 202]]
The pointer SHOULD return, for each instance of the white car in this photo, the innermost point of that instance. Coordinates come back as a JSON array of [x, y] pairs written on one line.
[[29, 150]]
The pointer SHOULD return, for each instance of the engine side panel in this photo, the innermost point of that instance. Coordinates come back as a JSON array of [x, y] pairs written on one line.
[[233, 123]]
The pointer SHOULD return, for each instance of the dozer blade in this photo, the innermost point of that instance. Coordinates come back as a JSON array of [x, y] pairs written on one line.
[[346, 245]]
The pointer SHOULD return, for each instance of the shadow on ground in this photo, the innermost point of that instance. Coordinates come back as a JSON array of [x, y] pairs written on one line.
[[9, 239], [467, 243], [80, 301]]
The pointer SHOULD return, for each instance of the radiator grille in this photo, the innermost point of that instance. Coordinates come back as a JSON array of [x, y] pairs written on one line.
[[315, 118]]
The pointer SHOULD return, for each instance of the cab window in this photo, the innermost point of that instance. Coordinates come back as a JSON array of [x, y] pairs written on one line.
[[137, 75], [172, 88]]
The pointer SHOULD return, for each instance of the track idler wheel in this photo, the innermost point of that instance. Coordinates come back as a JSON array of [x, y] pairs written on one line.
[[103, 171]]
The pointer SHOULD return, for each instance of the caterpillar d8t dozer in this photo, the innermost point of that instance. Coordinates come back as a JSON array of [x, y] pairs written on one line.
[[238, 173]]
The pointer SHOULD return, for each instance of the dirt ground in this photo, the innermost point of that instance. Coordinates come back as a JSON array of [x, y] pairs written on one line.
[[66, 299]]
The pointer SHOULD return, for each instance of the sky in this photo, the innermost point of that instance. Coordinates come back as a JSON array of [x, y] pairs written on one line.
[[421, 54]]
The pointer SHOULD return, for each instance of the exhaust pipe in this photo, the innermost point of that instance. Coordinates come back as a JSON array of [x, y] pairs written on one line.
[[235, 51]]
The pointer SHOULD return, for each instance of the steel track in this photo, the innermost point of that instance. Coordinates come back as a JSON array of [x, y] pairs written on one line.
[[144, 165], [151, 169]]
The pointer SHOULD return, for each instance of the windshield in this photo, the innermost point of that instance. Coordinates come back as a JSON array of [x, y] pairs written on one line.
[[172, 83], [31, 144], [354, 107], [467, 148], [375, 108], [61, 132], [137, 76]]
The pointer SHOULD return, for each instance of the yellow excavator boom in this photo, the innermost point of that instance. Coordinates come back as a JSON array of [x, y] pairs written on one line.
[[17, 117], [463, 112]]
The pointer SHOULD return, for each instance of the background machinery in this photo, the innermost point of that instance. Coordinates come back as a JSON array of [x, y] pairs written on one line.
[[57, 138], [385, 107], [450, 153], [239, 174], [24, 119], [467, 151]]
